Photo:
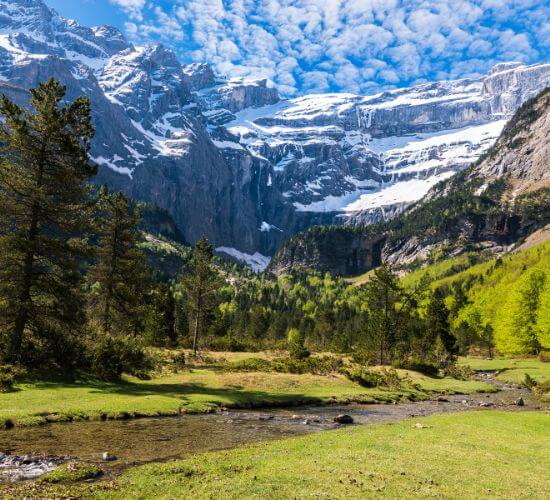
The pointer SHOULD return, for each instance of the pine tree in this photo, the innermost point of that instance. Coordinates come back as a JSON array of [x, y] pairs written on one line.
[[201, 288], [119, 275], [43, 194], [438, 329], [382, 294]]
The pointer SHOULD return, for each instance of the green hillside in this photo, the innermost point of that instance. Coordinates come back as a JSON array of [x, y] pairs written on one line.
[[510, 294]]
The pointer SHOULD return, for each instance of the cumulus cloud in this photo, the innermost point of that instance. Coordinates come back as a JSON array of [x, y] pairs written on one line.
[[345, 45]]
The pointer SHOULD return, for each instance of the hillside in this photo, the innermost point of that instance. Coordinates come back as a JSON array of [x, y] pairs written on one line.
[[509, 293], [500, 199]]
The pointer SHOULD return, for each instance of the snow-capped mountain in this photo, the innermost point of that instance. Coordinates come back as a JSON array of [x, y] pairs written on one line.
[[231, 160]]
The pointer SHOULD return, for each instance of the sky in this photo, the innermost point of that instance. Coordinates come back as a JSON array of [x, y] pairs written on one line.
[[358, 46]]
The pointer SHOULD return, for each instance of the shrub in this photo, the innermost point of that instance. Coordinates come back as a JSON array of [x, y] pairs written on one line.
[[388, 378], [249, 365], [296, 346], [71, 472], [8, 374], [323, 365], [544, 356], [459, 372], [364, 378], [110, 357], [229, 343], [418, 365], [529, 382]]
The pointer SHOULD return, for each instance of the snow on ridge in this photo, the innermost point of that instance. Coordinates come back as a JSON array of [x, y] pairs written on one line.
[[100, 160], [257, 262]]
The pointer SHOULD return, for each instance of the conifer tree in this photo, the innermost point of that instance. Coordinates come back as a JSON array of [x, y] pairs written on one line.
[[382, 295], [119, 276], [43, 172], [201, 287], [437, 324]]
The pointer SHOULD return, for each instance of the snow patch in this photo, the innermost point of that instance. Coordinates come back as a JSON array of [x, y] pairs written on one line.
[[257, 262]]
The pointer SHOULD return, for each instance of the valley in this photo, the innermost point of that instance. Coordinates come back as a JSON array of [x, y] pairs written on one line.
[[322, 275]]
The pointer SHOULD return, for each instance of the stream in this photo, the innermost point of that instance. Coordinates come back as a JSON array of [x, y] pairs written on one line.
[[27, 453]]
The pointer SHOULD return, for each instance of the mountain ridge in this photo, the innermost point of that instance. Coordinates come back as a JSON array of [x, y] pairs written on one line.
[[502, 198], [229, 159]]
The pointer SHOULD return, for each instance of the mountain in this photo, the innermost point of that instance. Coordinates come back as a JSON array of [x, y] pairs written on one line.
[[497, 201], [229, 159]]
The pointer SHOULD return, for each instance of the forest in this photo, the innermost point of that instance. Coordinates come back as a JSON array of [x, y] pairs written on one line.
[[78, 292]]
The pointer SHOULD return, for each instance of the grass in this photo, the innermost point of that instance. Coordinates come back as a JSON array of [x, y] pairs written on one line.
[[487, 454], [197, 391], [514, 369]]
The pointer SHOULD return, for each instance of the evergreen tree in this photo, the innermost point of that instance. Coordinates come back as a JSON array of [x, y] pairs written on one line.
[[160, 317], [382, 294], [43, 199], [202, 286], [438, 329], [119, 276]]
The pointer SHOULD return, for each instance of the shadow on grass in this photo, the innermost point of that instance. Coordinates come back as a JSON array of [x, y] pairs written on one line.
[[233, 395]]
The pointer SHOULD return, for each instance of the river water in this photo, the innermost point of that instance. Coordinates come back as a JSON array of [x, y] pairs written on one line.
[[27, 453]]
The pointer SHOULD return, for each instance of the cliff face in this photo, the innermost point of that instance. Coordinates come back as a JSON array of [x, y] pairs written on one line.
[[503, 197], [229, 159]]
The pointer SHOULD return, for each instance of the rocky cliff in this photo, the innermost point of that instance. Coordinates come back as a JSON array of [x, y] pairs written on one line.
[[500, 199], [229, 159]]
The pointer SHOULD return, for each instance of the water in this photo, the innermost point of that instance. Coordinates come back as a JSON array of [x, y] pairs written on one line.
[[26, 453]]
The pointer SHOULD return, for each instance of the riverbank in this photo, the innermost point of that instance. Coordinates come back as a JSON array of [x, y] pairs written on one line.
[[452, 455], [202, 390]]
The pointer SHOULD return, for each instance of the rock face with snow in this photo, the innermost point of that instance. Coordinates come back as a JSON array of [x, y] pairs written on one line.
[[229, 159], [502, 198]]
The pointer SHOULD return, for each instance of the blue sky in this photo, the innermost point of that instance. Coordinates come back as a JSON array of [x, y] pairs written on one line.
[[359, 46]]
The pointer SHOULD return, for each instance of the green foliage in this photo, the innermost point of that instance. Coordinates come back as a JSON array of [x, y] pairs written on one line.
[[501, 303], [109, 357], [529, 382], [387, 378], [8, 375], [71, 472], [458, 372], [315, 365], [418, 365], [201, 288], [118, 277], [296, 347], [43, 201]]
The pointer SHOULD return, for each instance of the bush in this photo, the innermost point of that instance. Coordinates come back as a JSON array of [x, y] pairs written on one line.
[[458, 372], [71, 472], [296, 346], [315, 365], [249, 365], [388, 378], [110, 357], [229, 343], [529, 382], [544, 356], [418, 365], [8, 374], [323, 365]]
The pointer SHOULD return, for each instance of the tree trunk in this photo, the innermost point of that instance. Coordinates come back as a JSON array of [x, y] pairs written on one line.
[[196, 334], [25, 301]]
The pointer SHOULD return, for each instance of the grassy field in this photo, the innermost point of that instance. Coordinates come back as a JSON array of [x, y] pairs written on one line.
[[472, 455], [199, 390], [514, 369]]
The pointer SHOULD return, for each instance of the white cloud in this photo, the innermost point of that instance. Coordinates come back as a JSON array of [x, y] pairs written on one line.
[[349, 45]]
